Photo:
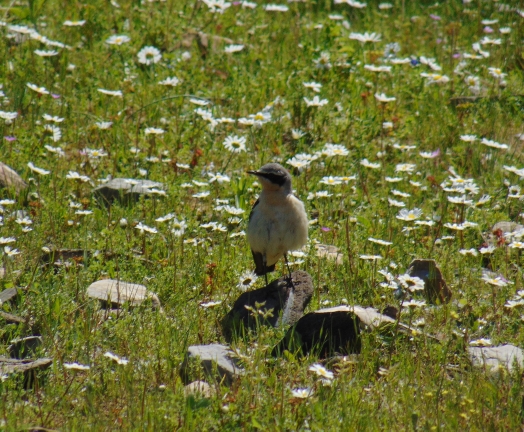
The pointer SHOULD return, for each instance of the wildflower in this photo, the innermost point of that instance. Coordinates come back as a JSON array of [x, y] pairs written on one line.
[[114, 357], [468, 138], [10, 252], [153, 131], [373, 68], [414, 303], [172, 82], [39, 90], [8, 116], [103, 125], [76, 366], [405, 168], [431, 62], [233, 48], [334, 150], [37, 170], [319, 194], [203, 194], [370, 257], [302, 393], [117, 93], [246, 280], [313, 86], [365, 37], [44, 53], [396, 203], [315, 102], [178, 227], [383, 98], [200, 102], [510, 304], [321, 371], [496, 73], [217, 5], [411, 283], [296, 134], [54, 119], [276, 8], [472, 252], [498, 281], [409, 215], [430, 155], [144, 228], [516, 245], [461, 200], [435, 78], [368, 164], [323, 62], [95, 153], [380, 242], [69, 23], [210, 304], [330, 180], [149, 55], [117, 40], [235, 144], [494, 144], [54, 131]]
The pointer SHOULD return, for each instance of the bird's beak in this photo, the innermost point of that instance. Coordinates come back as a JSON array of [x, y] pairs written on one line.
[[253, 173]]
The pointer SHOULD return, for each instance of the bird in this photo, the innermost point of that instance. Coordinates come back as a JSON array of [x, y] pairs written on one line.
[[278, 221]]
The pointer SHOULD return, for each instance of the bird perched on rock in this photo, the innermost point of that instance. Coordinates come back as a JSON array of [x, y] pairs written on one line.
[[278, 221]]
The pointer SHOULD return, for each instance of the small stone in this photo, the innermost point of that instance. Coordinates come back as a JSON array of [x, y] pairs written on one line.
[[29, 368], [10, 179], [213, 360], [24, 347], [199, 388], [435, 288], [115, 293], [8, 294], [286, 303], [492, 358], [126, 190]]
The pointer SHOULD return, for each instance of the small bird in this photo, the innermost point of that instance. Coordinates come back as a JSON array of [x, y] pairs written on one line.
[[278, 221]]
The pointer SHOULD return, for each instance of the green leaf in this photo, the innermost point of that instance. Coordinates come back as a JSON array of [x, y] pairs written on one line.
[[364, 222], [20, 12], [256, 424]]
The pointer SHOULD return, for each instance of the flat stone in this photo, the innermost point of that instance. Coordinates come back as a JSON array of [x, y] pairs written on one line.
[[493, 358], [126, 190], [11, 319], [199, 388], [10, 179], [8, 365], [8, 294], [286, 302], [435, 288], [24, 347], [115, 293], [213, 360], [326, 332]]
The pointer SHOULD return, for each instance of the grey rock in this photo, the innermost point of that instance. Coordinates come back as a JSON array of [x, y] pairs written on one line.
[[215, 361], [435, 288], [115, 293], [199, 388], [24, 347], [10, 179], [126, 190], [492, 358], [286, 303], [30, 369], [325, 333], [11, 319], [8, 294]]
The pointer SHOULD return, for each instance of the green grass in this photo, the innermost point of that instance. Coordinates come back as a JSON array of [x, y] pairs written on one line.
[[427, 385]]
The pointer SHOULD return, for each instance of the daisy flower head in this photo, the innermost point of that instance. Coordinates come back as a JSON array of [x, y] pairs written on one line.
[[313, 86], [149, 55], [366, 37], [37, 89], [381, 97], [53, 131], [334, 150], [321, 371], [172, 82], [497, 281], [315, 102], [302, 393], [230, 49], [117, 40], [409, 215], [235, 144], [246, 280]]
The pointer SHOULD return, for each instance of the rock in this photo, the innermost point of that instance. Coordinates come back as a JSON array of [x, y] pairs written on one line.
[[435, 287], [213, 360], [24, 347], [287, 304], [10, 318], [29, 368], [492, 358], [115, 293], [126, 190], [199, 388], [326, 332], [10, 179], [330, 252], [8, 294]]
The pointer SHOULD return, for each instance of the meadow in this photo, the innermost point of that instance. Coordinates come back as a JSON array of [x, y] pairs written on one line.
[[402, 125]]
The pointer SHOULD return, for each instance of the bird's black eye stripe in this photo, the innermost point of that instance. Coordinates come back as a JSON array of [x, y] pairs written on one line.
[[275, 178]]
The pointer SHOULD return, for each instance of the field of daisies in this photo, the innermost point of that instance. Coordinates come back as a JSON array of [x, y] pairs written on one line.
[[402, 125]]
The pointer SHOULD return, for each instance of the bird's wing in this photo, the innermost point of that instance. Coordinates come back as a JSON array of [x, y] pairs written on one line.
[[260, 268], [253, 208]]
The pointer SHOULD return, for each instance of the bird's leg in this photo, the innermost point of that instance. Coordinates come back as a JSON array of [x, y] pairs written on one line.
[[289, 271]]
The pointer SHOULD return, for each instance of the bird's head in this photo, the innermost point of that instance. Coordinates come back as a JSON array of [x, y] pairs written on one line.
[[273, 177]]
